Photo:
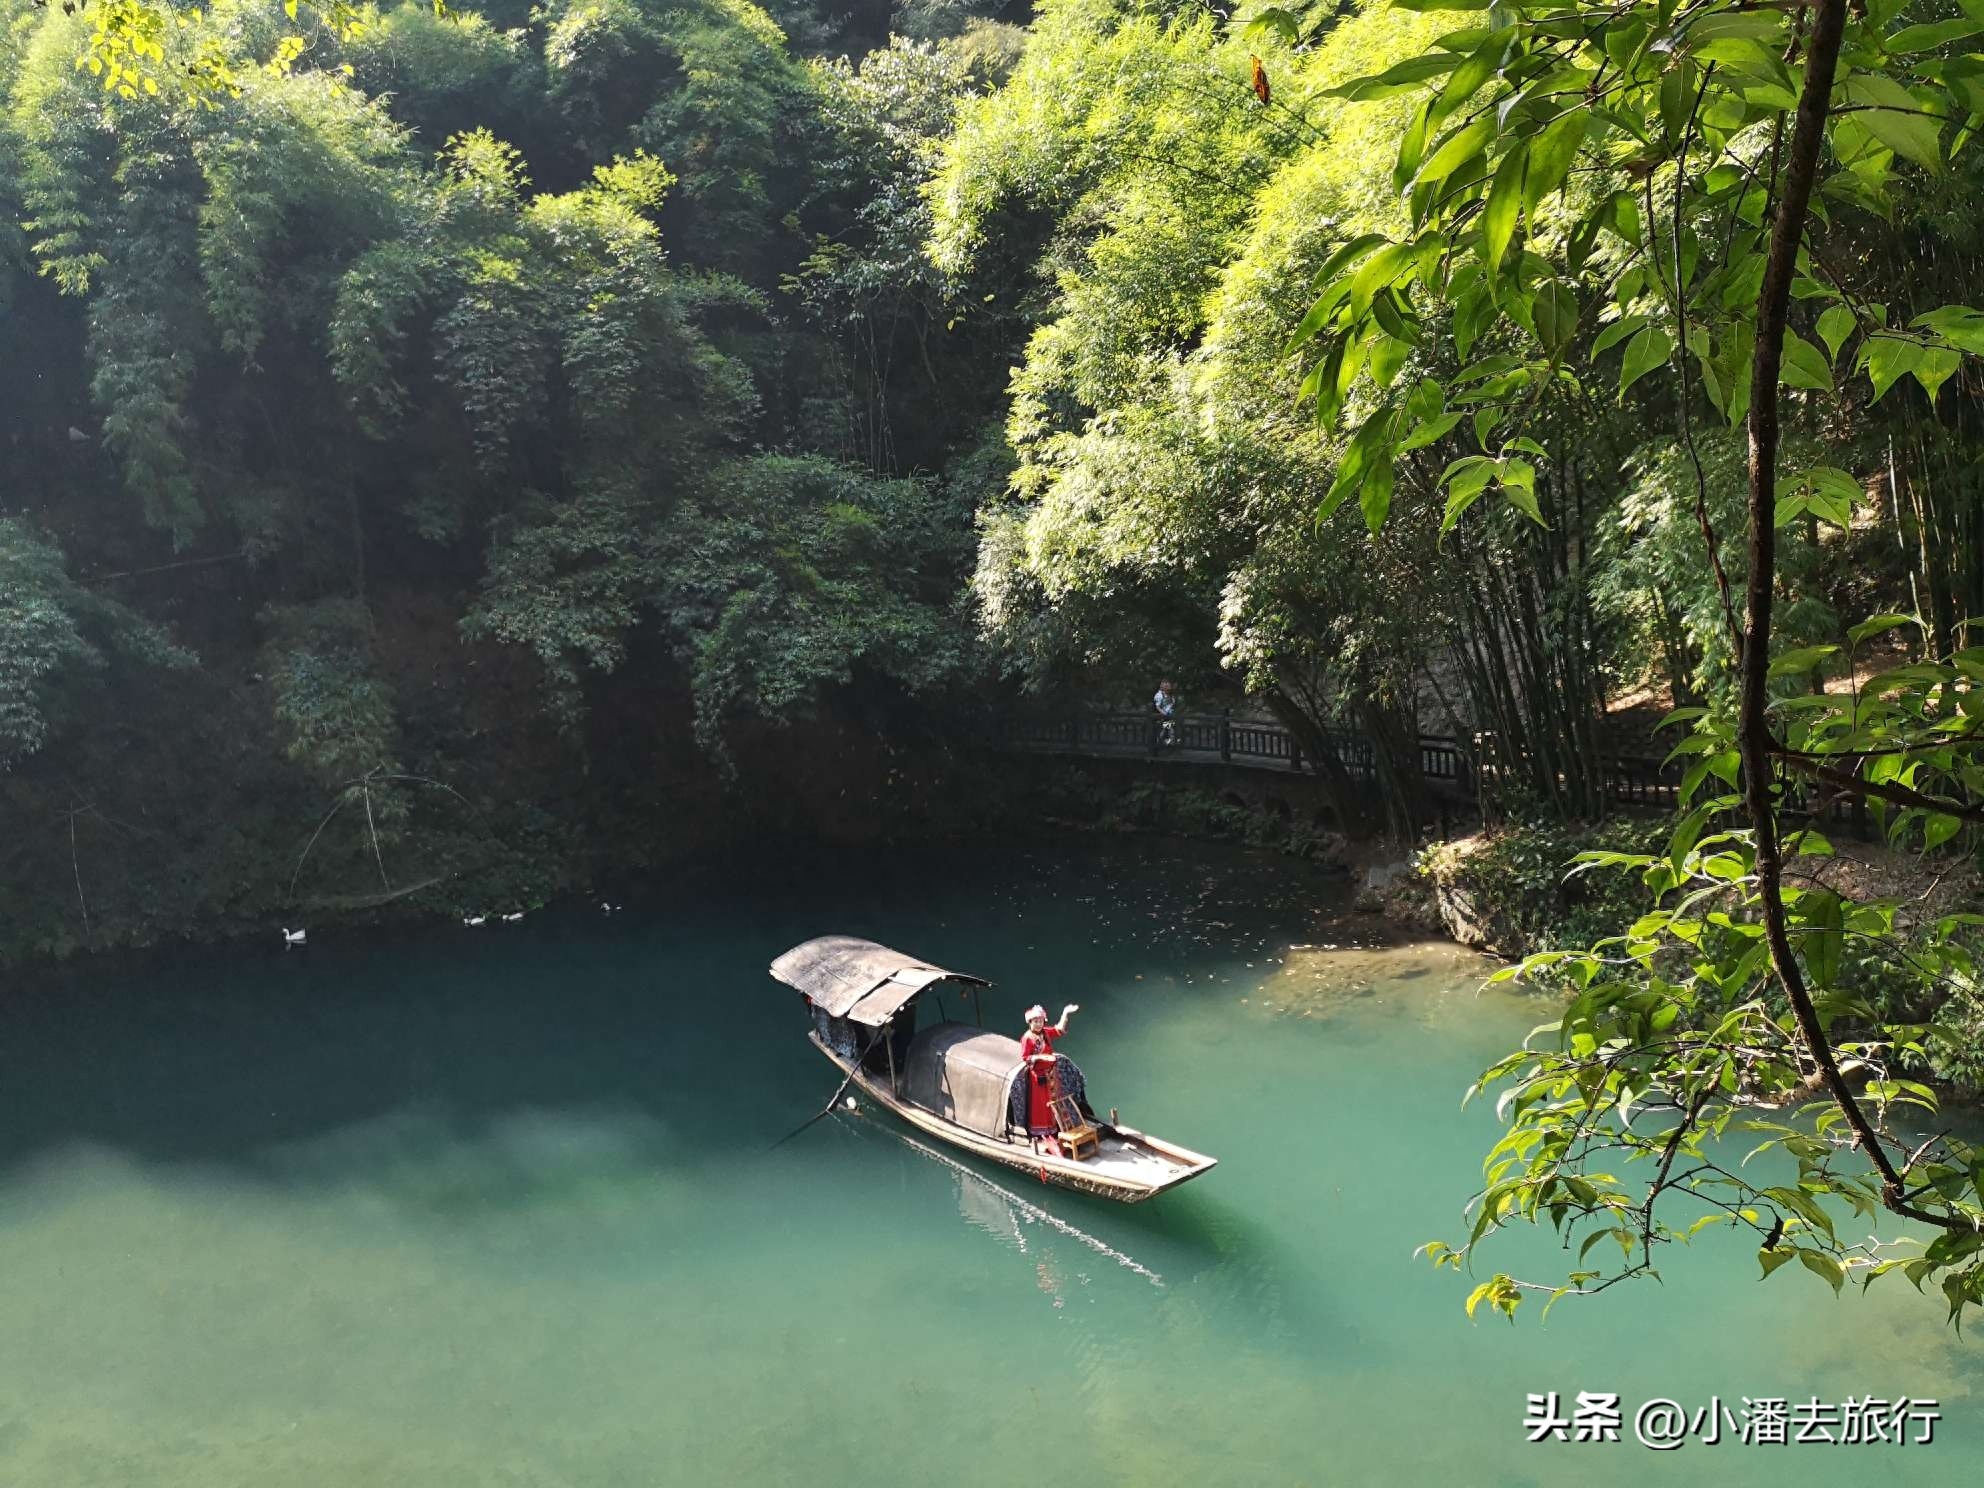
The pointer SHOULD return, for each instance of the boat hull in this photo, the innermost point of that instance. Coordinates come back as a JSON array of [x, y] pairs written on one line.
[[1092, 1175]]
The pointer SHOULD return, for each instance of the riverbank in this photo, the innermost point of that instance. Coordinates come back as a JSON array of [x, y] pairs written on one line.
[[829, 789], [220, 845], [1509, 891]]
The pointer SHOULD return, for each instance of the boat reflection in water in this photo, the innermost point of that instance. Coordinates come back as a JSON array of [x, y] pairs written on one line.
[[1003, 1214]]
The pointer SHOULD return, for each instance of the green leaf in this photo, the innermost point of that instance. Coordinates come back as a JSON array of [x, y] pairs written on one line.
[[1323, 380], [1616, 332], [1467, 79], [1379, 270], [1876, 624], [1412, 147], [1799, 660], [1430, 249], [1426, 400], [1385, 309], [1364, 457], [1623, 42], [1555, 313], [1272, 20], [1465, 480], [1730, 364], [1772, 93], [1964, 77], [1518, 478], [1430, 431], [1313, 322], [1821, 1264], [1649, 349], [1958, 325], [1803, 366], [1504, 207], [1376, 496], [1621, 213], [1354, 353], [1311, 384], [1352, 252], [1459, 147], [1551, 157], [1474, 309], [1823, 936], [1387, 356], [1776, 1257], [1831, 481], [1753, 24], [1937, 33], [1886, 360], [1894, 117], [1935, 367], [1677, 98], [1339, 489], [1404, 77], [1835, 325]]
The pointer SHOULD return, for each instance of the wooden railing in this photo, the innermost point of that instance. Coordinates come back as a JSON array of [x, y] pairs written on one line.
[[1260, 743], [1635, 782]]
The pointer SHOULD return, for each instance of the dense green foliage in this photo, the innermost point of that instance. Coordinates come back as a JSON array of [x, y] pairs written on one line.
[[1516, 887], [1717, 234], [1478, 370], [1161, 509], [377, 407], [53, 634]]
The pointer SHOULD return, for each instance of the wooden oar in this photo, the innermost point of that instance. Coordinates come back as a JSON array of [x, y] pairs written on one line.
[[834, 1099]]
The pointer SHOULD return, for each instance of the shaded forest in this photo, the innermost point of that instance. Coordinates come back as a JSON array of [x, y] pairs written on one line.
[[501, 445]]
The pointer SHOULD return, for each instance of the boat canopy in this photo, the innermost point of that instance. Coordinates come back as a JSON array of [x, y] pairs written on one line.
[[963, 1074], [860, 980]]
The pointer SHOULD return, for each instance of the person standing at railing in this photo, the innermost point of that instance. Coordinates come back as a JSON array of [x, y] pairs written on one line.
[[1164, 717]]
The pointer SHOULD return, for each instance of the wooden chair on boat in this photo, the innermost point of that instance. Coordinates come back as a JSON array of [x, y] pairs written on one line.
[[1078, 1138]]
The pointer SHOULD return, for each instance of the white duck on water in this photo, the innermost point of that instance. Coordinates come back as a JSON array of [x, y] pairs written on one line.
[[294, 937]]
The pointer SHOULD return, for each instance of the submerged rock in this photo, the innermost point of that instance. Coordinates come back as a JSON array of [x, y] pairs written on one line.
[[1320, 981]]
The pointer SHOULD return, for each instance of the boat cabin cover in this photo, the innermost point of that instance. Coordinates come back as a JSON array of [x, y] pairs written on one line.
[[965, 1075], [859, 980]]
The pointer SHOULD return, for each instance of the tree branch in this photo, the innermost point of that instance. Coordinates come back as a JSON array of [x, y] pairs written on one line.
[[1900, 795], [1754, 739]]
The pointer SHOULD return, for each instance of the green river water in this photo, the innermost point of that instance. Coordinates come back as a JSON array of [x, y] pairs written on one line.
[[493, 1207]]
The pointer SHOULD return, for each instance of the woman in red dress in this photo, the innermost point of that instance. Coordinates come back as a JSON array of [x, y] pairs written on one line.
[[1037, 1049]]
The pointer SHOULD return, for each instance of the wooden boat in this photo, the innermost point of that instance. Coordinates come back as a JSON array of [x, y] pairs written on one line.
[[957, 1081]]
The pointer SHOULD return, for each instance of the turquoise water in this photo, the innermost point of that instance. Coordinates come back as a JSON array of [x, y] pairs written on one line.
[[493, 1207]]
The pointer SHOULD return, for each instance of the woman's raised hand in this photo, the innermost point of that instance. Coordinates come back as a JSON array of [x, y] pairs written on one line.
[[1071, 1009]]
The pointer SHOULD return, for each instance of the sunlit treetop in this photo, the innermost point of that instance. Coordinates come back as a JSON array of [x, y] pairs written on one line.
[[135, 47]]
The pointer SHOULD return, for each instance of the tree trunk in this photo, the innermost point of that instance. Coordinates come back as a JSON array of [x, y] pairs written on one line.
[[1351, 803], [1754, 739], [1395, 756]]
